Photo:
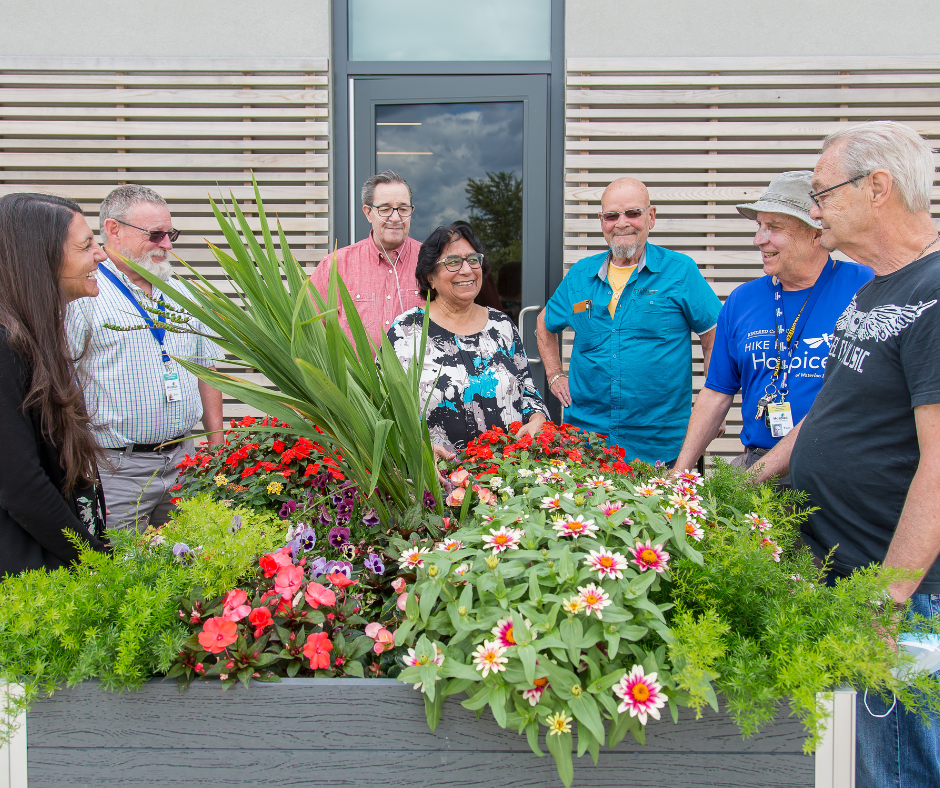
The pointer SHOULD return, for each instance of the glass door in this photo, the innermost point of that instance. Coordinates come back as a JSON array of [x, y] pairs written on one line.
[[471, 148]]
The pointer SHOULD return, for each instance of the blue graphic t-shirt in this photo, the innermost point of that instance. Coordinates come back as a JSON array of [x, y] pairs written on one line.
[[744, 355]]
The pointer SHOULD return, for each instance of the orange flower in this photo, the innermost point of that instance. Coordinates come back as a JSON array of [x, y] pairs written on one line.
[[317, 650], [218, 634]]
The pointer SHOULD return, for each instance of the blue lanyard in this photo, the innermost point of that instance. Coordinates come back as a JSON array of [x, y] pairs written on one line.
[[790, 340], [158, 333]]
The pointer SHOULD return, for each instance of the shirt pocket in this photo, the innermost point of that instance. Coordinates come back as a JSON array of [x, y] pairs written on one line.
[[589, 332], [655, 316]]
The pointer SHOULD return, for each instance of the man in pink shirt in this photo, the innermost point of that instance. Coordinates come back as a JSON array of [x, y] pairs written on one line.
[[379, 271]]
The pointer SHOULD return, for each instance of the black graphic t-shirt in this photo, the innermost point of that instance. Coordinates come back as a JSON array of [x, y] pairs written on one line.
[[857, 450]]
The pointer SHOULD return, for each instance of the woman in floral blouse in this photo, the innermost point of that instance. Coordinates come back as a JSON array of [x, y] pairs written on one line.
[[475, 371]]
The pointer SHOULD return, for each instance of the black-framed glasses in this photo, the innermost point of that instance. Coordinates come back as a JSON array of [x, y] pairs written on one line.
[[814, 195], [455, 262], [612, 216], [155, 235], [404, 211]]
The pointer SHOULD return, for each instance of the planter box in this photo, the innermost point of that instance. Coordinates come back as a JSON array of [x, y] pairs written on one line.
[[352, 732]]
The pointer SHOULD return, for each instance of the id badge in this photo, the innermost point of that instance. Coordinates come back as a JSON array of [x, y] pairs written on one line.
[[781, 418], [171, 383]]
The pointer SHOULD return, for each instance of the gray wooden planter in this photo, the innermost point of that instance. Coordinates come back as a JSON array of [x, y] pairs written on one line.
[[350, 732]]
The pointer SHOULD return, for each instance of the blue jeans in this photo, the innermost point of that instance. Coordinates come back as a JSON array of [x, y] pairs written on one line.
[[898, 750]]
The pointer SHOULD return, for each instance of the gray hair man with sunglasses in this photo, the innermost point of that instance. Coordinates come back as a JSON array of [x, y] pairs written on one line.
[[868, 452], [142, 403], [378, 271]]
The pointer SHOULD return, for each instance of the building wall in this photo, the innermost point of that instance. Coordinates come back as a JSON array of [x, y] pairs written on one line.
[[687, 28], [172, 28]]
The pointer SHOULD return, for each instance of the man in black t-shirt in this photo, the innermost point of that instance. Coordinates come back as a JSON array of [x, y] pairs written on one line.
[[868, 452]]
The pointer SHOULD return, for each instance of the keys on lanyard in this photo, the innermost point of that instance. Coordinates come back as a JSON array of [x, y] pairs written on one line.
[[762, 404]]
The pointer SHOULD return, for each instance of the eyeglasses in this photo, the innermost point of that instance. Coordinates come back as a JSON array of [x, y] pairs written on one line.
[[455, 262], [155, 235], [814, 195], [612, 216], [404, 211]]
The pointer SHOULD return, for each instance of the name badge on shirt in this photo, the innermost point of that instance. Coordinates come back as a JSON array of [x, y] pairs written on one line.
[[781, 418], [171, 384]]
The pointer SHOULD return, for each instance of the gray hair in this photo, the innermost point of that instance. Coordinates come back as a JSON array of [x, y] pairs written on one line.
[[388, 176], [886, 145], [117, 204]]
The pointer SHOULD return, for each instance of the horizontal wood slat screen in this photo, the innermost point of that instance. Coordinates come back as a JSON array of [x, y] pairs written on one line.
[[186, 127], [707, 133]]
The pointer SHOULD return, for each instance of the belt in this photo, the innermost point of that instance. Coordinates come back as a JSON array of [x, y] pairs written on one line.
[[154, 447]]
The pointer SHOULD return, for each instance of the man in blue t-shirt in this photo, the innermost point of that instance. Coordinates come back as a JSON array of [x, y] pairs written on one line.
[[774, 332]]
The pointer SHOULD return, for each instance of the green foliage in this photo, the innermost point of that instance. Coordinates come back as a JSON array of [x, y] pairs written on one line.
[[496, 216], [369, 414]]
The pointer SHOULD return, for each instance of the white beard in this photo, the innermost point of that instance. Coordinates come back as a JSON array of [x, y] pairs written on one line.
[[622, 252], [162, 269]]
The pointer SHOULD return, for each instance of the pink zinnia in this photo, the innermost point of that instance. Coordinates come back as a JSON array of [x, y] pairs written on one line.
[[646, 556], [641, 694], [504, 539], [607, 563]]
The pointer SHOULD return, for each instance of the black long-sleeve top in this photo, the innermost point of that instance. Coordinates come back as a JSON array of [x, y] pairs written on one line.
[[34, 514]]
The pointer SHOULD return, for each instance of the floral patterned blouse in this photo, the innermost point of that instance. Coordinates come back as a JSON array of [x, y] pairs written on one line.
[[474, 382]]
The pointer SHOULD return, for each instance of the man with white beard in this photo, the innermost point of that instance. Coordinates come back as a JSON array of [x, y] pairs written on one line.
[[633, 309], [139, 398]]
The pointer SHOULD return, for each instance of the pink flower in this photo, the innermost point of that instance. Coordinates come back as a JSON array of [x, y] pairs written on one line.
[[398, 585], [777, 551], [384, 640], [317, 595], [414, 557], [575, 526], [272, 562], [218, 634], [641, 694], [609, 508], [534, 694], [340, 580], [288, 580], [504, 539], [317, 650], [646, 556], [594, 599], [461, 478], [503, 632], [234, 607], [487, 496], [402, 601], [607, 563], [757, 522], [488, 657], [456, 497]]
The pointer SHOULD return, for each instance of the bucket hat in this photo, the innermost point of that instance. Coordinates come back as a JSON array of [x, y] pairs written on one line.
[[788, 193]]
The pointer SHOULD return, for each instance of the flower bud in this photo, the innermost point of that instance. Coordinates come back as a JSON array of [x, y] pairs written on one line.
[[525, 489], [492, 561], [432, 571], [576, 690], [543, 551], [461, 611], [550, 564], [579, 500]]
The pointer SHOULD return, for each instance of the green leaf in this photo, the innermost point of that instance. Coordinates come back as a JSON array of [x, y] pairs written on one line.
[[526, 656], [532, 736], [559, 745], [585, 710], [354, 668], [429, 594], [433, 708], [498, 696], [618, 729]]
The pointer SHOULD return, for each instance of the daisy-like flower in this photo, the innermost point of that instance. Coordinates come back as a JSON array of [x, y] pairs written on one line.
[[641, 694], [524, 473], [574, 605], [550, 476], [646, 556], [496, 482], [609, 508], [413, 661], [606, 563], [777, 550], [504, 539], [414, 557], [690, 477], [558, 724], [659, 481], [669, 512], [679, 500], [757, 522], [551, 502], [595, 599], [534, 694], [688, 491], [646, 490], [693, 530], [449, 545], [503, 632], [488, 657], [695, 510], [575, 527], [461, 570], [599, 483]]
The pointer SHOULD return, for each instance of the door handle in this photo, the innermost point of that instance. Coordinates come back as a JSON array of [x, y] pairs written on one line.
[[522, 313]]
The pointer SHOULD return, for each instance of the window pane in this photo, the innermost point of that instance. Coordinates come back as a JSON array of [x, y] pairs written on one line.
[[432, 30]]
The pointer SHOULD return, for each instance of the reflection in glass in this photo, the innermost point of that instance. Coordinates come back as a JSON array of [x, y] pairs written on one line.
[[432, 30], [462, 161]]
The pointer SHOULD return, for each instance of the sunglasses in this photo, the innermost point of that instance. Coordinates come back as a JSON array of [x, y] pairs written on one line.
[[455, 262], [612, 216], [155, 235]]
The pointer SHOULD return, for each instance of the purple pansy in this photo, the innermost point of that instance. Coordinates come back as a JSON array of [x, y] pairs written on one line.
[[370, 518], [308, 538], [318, 567], [429, 500], [374, 564], [236, 524], [338, 536], [339, 566], [294, 546], [288, 508], [180, 549]]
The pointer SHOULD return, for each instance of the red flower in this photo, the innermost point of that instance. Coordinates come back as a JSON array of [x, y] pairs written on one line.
[[272, 562], [515, 427], [218, 634], [340, 580], [175, 501], [278, 446], [260, 618], [317, 650], [247, 421], [176, 487], [574, 455], [312, 468]]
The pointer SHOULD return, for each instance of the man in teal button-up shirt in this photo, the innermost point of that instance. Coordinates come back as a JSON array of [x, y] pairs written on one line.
[[631, 365]]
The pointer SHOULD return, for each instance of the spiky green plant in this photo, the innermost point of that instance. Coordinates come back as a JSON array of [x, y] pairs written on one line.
[[279, 324]]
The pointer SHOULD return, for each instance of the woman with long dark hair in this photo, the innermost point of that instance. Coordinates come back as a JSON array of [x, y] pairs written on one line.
[[48, 474]]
